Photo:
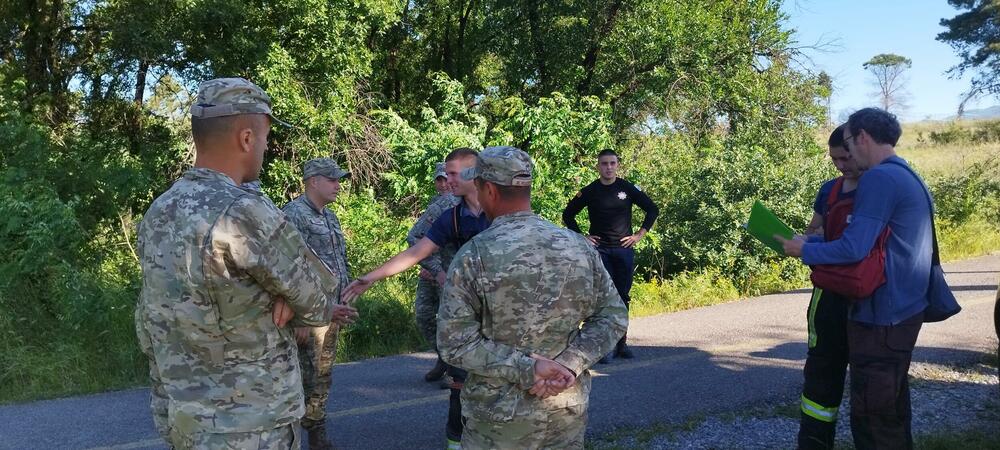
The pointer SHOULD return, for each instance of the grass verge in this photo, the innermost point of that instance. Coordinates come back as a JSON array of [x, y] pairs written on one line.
[[969, 440], [970, 239], [974, 237]]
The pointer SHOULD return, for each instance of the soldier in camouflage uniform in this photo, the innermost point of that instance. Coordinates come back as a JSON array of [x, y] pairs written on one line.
[[321, 230], [441, 179], [527, 308], [222, 271], [428, 297]]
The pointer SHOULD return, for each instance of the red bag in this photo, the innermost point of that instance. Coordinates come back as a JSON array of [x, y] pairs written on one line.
[[854, 281]]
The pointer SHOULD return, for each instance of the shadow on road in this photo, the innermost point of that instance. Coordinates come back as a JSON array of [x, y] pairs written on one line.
[[980, 287]]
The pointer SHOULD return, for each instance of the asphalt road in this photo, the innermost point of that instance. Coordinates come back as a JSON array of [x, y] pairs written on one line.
[[701, 361]]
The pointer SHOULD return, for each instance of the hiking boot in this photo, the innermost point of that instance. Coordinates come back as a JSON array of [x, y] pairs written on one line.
[[318, 439], [436, 372], [622, 350]]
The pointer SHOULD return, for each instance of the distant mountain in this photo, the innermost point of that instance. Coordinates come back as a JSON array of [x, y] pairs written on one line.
[[984, 113]]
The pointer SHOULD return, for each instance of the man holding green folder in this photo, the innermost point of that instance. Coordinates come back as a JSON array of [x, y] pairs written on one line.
[[882, 329], [827, 357], [826, 363]]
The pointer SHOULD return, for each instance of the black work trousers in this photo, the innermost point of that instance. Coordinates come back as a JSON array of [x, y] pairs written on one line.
[[825, 369], [880, 391], [996, 326], [456, 423]]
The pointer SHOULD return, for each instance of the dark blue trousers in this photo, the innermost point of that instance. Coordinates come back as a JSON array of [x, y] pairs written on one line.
[[620, 264]]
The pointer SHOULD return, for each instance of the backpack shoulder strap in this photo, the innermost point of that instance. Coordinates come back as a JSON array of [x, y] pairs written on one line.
[[936, 257], [831, 198]]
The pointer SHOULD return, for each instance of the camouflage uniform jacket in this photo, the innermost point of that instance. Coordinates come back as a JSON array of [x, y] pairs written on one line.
[[439, 204], [214, 256], [320, 227], [526, 286]]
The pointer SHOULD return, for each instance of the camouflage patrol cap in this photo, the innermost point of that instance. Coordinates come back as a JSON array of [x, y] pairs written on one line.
[[326, 167], [229, 97], [506, 166], [439, 170]]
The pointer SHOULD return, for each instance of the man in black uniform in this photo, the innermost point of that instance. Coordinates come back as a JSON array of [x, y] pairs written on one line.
[[609, 201]]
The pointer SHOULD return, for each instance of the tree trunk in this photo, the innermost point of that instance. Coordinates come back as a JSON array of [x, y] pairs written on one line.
[[463, 24], [140, 83], [534, 22], [392, 86], [447, 55], [590, 59]]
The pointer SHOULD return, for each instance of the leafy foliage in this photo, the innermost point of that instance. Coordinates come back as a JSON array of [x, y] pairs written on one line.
[[702, 100], [974, 34]]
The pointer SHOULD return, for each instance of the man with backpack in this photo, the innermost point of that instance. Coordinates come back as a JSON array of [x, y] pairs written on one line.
[[425, 305], [883, 327], [826, 361], [453, 228]]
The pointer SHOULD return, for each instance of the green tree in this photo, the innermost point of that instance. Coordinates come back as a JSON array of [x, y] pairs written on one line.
[[887, 72], [976, 38], [703, 100], [682, 63], [825, 83]]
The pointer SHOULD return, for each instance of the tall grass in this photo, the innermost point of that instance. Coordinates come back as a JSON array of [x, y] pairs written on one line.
[[961, 170]]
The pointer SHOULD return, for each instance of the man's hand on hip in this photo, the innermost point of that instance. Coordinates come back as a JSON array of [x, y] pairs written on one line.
[[629, 241]]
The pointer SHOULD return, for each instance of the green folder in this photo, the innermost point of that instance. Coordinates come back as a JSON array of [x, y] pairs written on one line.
[[763, 225]]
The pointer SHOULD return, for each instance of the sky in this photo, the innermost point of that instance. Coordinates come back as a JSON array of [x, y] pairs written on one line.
[[856, 30]]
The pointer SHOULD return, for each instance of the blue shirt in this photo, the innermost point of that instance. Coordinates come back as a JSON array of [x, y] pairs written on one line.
[[886, 194], [443, 230], [819, 206]]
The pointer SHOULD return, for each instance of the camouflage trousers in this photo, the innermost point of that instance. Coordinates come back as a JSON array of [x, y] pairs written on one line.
[[316, 357], [562, 428], [425, 307], [281, 438]]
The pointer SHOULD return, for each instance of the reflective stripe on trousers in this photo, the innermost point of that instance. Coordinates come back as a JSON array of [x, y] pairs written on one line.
[[819, 412], [813, 306]]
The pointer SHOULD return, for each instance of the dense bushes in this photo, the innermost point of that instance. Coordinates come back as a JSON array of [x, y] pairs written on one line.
[[67, 313], [701, 99], [975, 192], [982, 132]]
